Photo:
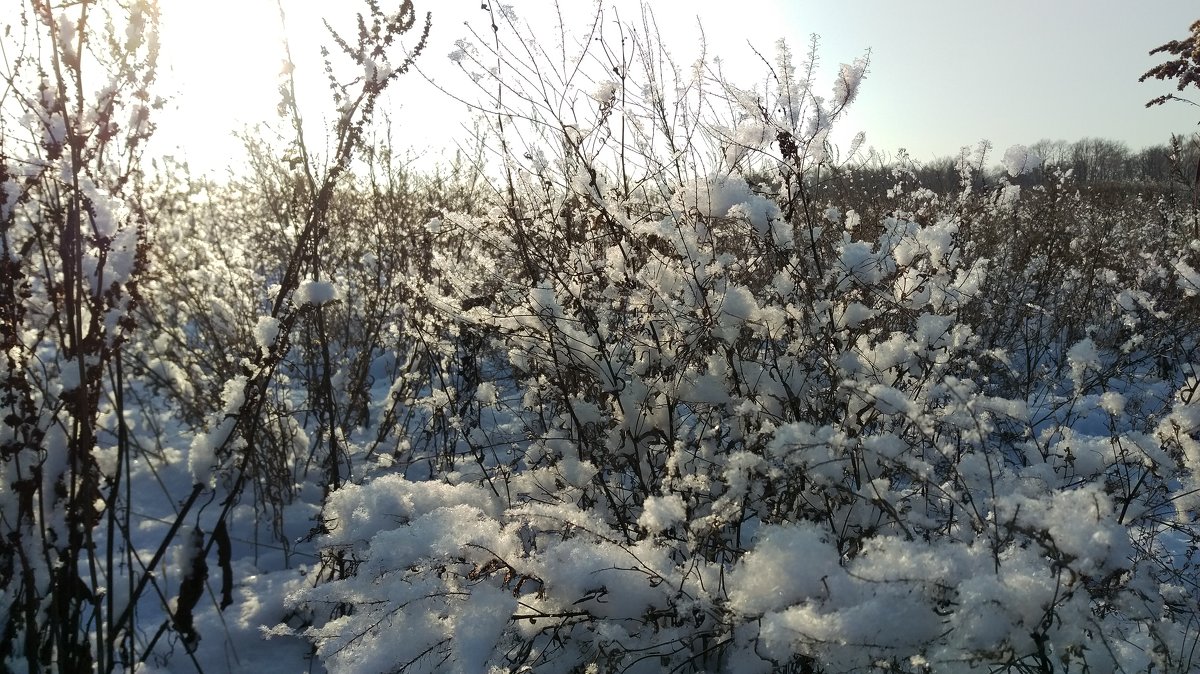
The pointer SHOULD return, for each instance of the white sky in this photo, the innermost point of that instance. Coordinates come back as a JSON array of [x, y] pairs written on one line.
[[944, 73]]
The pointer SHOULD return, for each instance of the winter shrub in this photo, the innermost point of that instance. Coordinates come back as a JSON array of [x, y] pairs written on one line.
[[72, 257], [719, 428], [78, 246]]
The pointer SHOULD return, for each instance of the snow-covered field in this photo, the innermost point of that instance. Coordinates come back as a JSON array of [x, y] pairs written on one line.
[[661, 384]]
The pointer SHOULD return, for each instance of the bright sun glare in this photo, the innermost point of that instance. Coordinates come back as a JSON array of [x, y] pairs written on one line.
[[221, 61]]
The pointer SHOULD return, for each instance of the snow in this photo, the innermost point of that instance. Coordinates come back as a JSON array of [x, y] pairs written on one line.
[[727, 196], [266, 332], [850, 76], [10, 191], [605, 92], [1083, 357], [1018, 160], [1189, 279], [459, 54], [1113, 403], [660, 513], [768, 578], [316, 293]]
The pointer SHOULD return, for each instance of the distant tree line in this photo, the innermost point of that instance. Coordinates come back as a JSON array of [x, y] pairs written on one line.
[[1101, 160], [1092, 162]]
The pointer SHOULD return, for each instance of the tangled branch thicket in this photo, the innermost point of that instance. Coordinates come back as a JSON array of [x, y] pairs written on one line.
[[653, 380], [695, 415]]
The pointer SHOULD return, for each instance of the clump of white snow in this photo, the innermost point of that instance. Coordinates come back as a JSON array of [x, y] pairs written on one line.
[[850, 76], [786, 567], [1019, 160], [662, 512], [727, 196], [266, 332], [1083, 356], [316, 293], [605, 92]]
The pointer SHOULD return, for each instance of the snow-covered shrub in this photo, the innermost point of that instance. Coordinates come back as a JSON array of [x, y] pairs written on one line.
[[286, 367], [76, 114], [210, 298], [720, 425], [682, 392], [88, 402]]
